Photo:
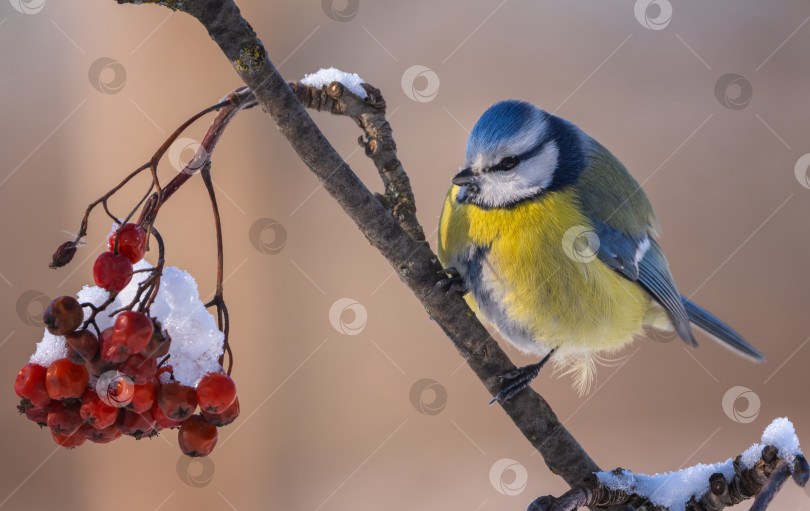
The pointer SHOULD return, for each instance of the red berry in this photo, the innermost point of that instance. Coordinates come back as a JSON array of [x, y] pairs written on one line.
[[30, 385], [82, 346], [131, 242], [139, 368], [176, 400], [161, 419], [96, 412], [112, 271], [108, 351], [63, 315], [135, 424], [71, 441], [131, 333], [197, 436], [64, 379], [159, 343], [98, 366], [144, 396], [34, 413], [101, 436], [224, 417], [64, 420], [215, 392]]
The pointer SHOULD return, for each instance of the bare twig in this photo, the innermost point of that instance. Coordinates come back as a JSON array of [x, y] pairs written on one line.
[[236, 101], [219, 296]]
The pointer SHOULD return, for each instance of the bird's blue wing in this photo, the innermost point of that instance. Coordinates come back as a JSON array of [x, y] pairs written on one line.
[[619, 250], [654, 276], [640, 259], [624, 220]]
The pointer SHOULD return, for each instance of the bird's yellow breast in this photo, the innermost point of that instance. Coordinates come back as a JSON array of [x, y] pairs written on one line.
[[534, 278]]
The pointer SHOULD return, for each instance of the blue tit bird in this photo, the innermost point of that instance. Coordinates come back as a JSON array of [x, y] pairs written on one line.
[[552, 241]]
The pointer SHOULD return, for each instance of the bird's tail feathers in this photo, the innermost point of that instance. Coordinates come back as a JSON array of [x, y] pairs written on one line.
[[720, 331]]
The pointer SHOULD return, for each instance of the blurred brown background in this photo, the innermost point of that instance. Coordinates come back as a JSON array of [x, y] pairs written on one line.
[[333, 421]]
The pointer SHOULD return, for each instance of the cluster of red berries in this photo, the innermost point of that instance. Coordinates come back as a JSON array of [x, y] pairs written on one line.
[[111, 385]]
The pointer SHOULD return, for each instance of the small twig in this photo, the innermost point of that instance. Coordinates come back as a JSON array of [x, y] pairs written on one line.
[[219, 297], [780, 474], [237, 101], [379, 144], [157, 273], [96, 310], [150, 284]]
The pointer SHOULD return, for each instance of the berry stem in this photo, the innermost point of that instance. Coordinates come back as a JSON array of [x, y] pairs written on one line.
[[219, 297], [151, 284], [238, 100], [158, 272], [92, 319]]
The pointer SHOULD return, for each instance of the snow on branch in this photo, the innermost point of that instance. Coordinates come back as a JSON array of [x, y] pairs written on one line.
[[758, 472], [347, 94]]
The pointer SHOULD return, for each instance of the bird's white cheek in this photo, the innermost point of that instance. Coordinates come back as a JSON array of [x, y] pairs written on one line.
[[539, 171]]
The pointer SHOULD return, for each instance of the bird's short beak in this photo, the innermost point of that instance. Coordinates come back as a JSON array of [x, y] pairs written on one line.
[[464, 177]]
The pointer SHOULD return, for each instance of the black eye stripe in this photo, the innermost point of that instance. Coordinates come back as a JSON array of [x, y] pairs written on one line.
[[511, 162]]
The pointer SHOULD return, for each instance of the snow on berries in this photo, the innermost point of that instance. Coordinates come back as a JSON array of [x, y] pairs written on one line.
[[109, 366], [138, 352]]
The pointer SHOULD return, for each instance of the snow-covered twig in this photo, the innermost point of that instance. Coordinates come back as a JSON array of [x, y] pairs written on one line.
[[349, 95], [758, 473]]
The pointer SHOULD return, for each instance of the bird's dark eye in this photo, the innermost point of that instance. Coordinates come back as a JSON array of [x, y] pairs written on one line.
[[507, 163]]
